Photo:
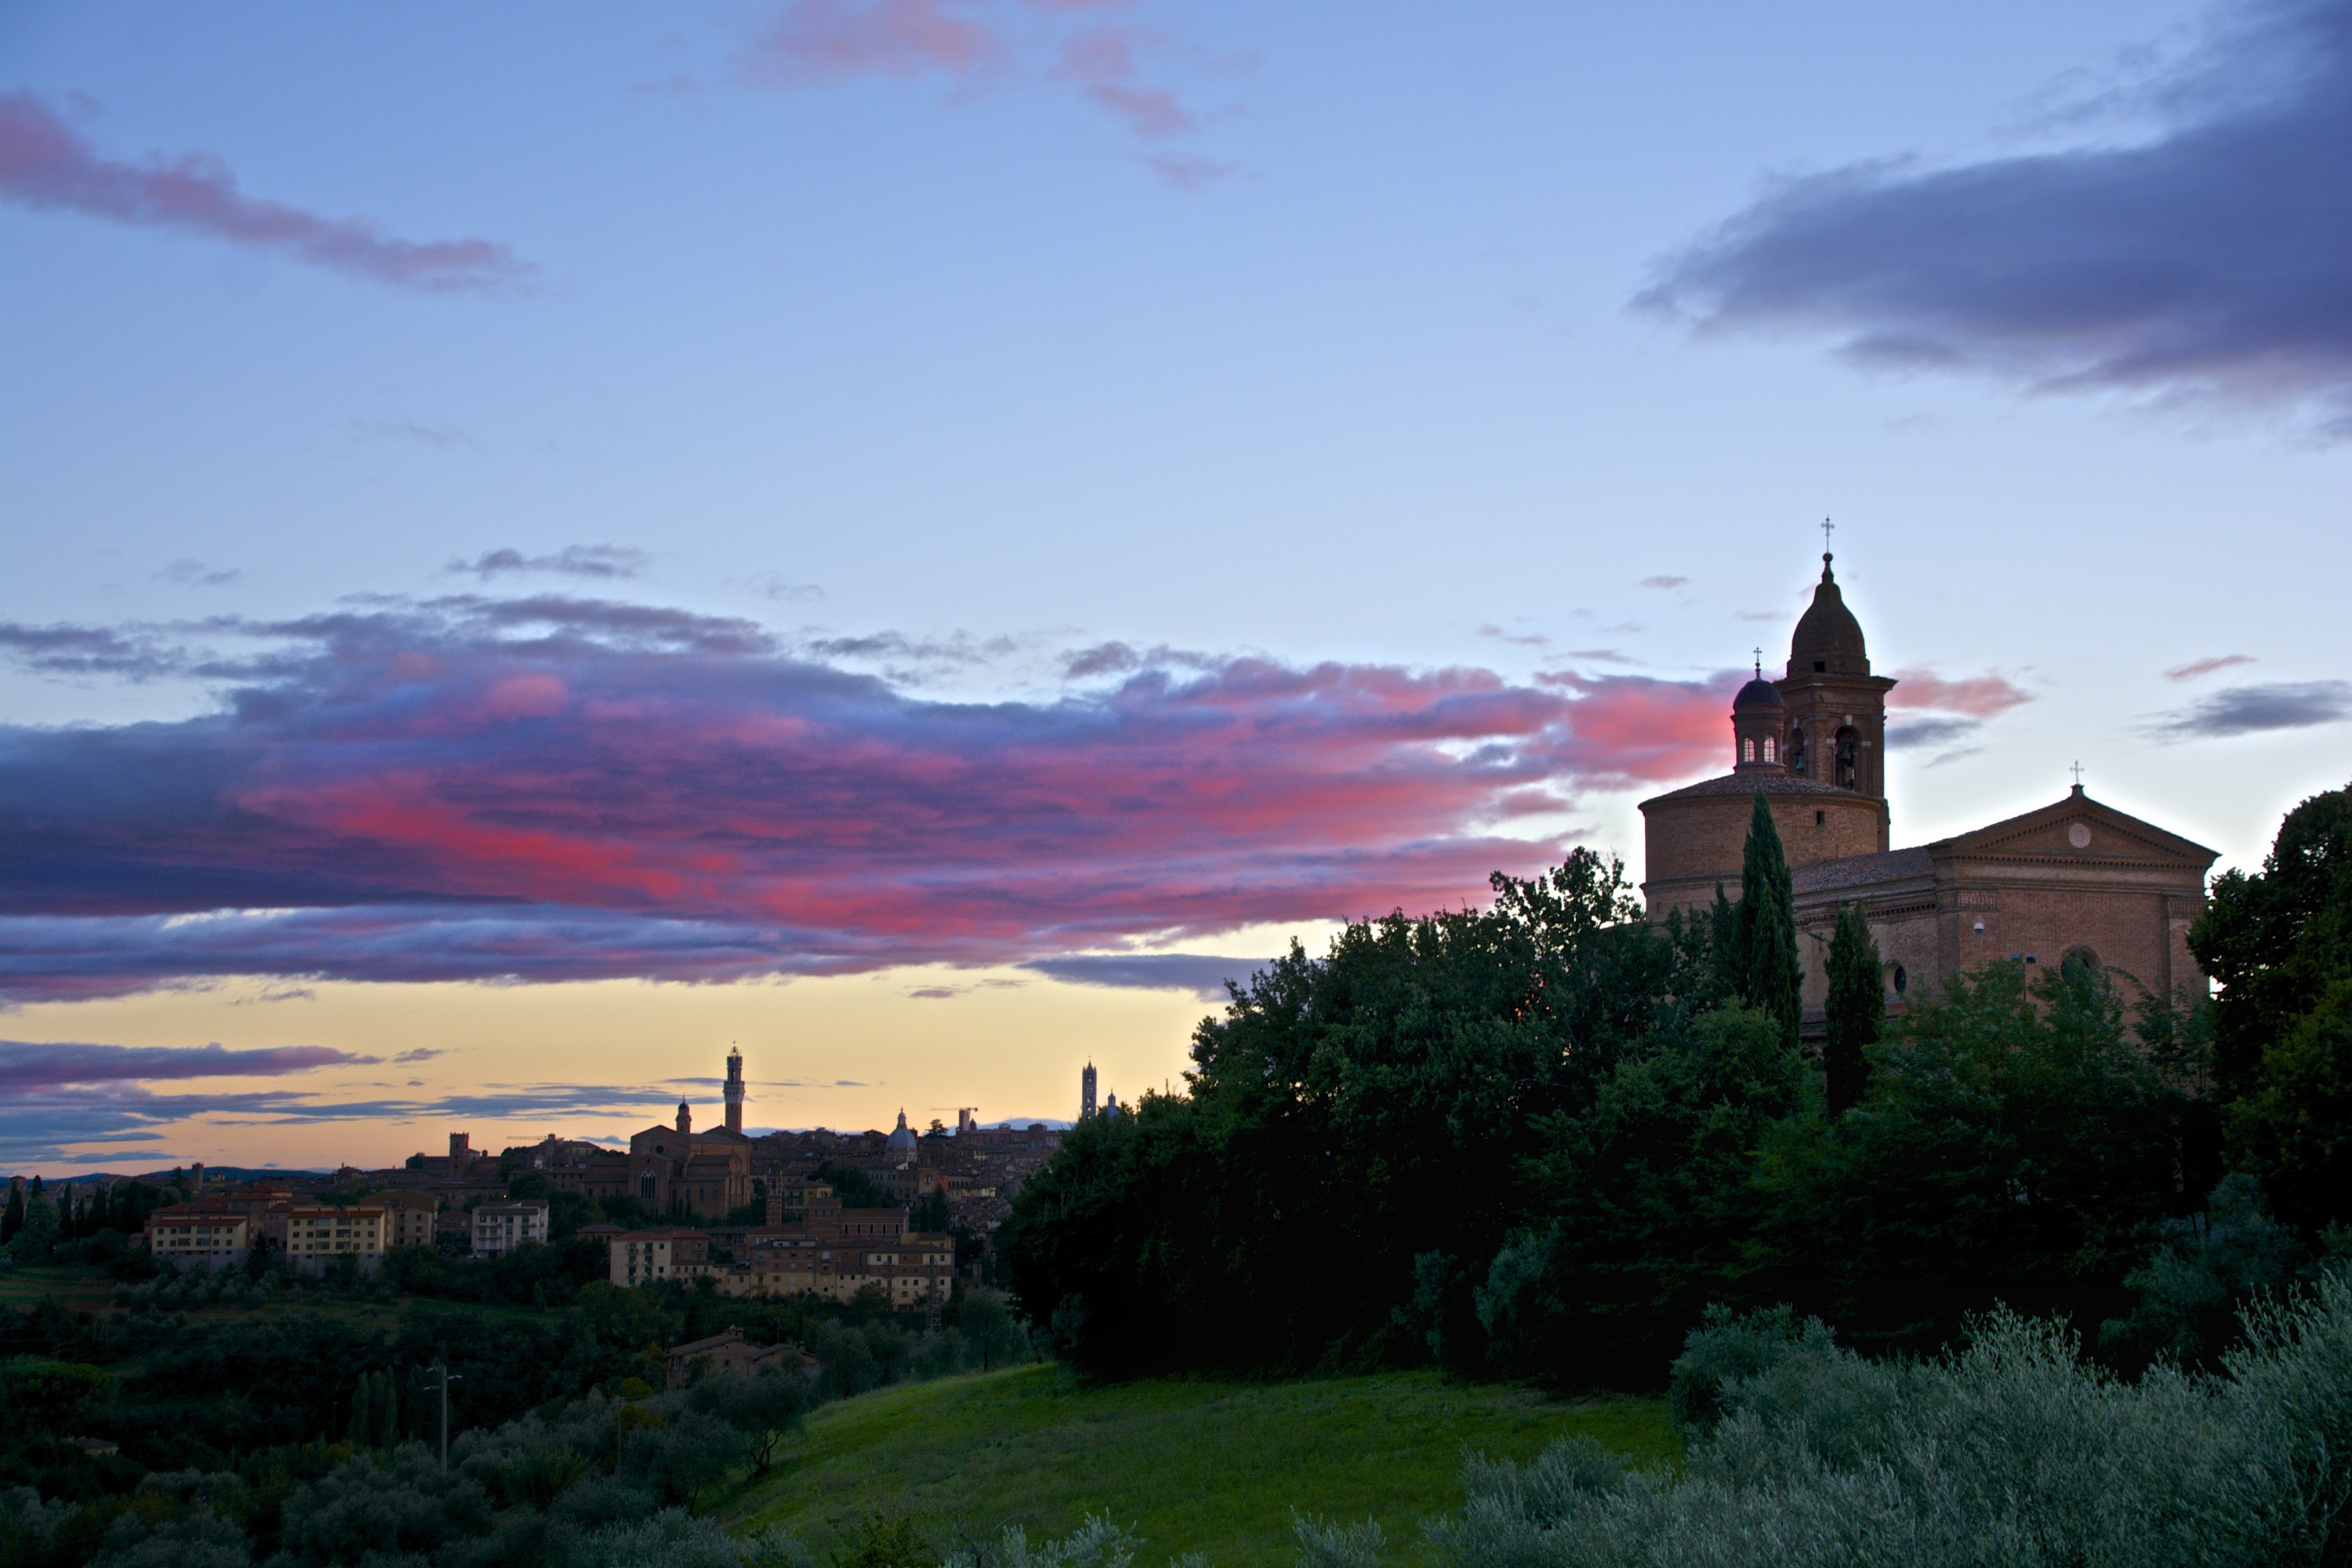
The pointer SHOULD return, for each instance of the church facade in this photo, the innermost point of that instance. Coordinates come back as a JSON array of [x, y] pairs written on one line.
[[2074, 881]]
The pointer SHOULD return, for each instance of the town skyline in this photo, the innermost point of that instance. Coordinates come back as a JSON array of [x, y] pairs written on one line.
[[920, 550]]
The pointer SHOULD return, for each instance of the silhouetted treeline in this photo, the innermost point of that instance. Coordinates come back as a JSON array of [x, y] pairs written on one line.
[[1542, 1136]]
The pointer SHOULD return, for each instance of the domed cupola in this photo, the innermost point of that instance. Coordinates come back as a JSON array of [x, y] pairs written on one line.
[[901, 1140], [1759, 716], [1828, 639]]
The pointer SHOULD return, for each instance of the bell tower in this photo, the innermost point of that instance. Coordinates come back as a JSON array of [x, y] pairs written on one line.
[[1836, 721], [734, 1091]]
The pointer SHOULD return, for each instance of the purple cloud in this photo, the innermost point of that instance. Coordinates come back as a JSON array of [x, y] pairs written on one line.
[[2252, 709], [26, 1067], [46, 166], [1202, 975], [602, 561], [555, 789], [2207, 260]]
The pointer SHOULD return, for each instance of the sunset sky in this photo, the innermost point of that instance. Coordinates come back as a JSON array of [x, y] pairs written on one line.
[[917, 536]]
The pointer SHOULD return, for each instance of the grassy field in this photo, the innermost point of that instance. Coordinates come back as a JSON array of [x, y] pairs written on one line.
[[76, 1287], [1189, 1467]]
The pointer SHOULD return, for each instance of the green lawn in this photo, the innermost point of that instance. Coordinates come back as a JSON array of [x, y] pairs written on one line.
[[1207, 1467]]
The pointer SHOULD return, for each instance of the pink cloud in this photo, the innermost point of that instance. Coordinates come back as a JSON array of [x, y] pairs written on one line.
[[1978, 696], [2198, 666], [1102, 61], [839, 40], [422, 792], [814, 42], [45, 165]]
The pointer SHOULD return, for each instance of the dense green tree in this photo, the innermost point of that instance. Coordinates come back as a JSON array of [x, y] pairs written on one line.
[[362, 1430], [1856, 1009], [52, 1394], [2277, 941], [1772, 975], [856, 1189], [2294, 1129], [33, 1240], [2016, 1145], [929, 1211], [12, 1218], [1344, 1114], [2279, 944], [1655, 1187]]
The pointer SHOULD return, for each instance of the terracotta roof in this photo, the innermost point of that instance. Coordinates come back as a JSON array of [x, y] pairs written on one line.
[[1862, 870], [1748, 783]]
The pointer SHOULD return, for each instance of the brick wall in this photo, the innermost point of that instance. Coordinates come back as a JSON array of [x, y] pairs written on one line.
[[1692, 841]]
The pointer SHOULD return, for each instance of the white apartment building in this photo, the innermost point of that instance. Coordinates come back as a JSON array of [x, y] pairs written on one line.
[[645, 1257], [317, 1234], [499, 1228], [199, 1235]]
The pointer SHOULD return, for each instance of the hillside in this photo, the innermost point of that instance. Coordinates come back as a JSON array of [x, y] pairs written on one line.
[[1189, 1465]]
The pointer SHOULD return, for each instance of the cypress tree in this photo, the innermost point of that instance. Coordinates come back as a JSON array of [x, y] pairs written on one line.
[[12, 1218], [1771, 976], [387, 1410], [363, 1412], [1856, 1009], [1730, 960]]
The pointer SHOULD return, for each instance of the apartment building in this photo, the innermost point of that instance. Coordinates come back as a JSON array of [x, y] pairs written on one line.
[[205, 1234], [409, 1217], [499, 1228], [648, 1257], [317, 1234]]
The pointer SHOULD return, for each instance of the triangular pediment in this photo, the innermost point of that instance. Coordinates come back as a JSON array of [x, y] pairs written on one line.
[[2077, 827]]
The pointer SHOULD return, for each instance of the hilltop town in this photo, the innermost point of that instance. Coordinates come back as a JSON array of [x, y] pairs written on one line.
[[891, 1217]]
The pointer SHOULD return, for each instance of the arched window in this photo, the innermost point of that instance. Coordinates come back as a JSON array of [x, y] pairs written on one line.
[[1797, 749], [1768, 748], [2079, 963], [1747, 751], [1901, 980], [1849, 756]]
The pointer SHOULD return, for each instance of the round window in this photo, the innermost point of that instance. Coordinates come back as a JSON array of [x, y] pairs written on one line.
[[2079, 835]]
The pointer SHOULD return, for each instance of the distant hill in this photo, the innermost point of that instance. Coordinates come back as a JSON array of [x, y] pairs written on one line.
[[157, 1178]]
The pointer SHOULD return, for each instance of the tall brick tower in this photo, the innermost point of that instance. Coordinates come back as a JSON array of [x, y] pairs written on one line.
[[1087, 1093], [734, 1091], [1837, 708]]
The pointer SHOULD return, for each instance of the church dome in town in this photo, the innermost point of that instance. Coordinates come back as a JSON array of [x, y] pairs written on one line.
[[902, 1140], [1757, 693], [1828, 639]]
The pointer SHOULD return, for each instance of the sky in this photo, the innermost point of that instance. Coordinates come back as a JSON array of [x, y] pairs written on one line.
[[919, 537]]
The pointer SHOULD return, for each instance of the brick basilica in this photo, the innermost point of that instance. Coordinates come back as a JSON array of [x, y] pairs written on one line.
[[2074, 881]]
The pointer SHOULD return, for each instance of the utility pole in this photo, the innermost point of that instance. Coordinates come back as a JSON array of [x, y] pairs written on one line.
[[445, 1372]]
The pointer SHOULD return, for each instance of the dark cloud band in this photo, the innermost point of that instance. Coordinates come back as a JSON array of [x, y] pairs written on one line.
[[2214, 260]]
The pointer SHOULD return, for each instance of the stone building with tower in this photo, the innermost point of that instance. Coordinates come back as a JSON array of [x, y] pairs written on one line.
[[673, 1170], [2070, 881]]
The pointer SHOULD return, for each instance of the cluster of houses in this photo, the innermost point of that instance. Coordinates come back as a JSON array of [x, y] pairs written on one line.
[[809, 1245], [222, 1229], [756, 1215]]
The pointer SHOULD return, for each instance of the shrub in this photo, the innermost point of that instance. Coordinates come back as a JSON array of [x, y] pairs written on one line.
[[2011, 1451]]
